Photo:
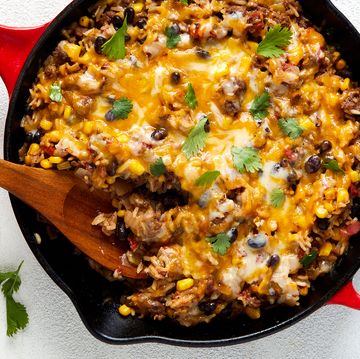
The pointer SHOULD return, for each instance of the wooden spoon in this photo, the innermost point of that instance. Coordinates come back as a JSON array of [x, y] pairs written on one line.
[[65, 201]]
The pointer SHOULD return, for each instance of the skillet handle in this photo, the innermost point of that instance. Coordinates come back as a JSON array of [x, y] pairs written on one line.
[[347, 296], [15, 46]]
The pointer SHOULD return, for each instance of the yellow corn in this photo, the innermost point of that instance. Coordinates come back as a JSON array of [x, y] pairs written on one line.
[[345, 85], [55, 159], [332, 99], [340, 64], [28, 160], [184, 284], [354, 176], [72, 50], [342, 196], [121, 213], [84, 21], [221, 71], [329, 206], [34, 149], [46, 125], [45, 164], [124, 310], [325, 249], [136, 167], [300, 221], [138, 6], [321, 212], [307, 124], [253, 313], [54, 136], [88, 127], [330, 194], [122, 138], [67, 112]]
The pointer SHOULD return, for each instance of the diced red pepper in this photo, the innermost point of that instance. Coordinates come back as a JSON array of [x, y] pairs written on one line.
[[49, 150], [354, 190], [133, 243], [353, 228]]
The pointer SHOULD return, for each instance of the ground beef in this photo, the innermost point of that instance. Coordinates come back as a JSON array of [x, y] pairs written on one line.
[[351, 103]]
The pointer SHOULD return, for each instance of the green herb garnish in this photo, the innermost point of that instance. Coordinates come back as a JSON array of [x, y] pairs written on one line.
[[259, 107], [207, 178], [114, 48], [173, 38], [55, 93], [309, 258], [190, 97], [246, 159], [276, 39], [158, 168], [16, 315], [184, 2], [290, 127], [220, 243], [332, 165], [121, 109], [196, 140], [277, 197]]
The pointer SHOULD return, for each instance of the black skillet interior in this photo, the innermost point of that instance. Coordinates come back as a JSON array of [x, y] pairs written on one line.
[[94, 297]]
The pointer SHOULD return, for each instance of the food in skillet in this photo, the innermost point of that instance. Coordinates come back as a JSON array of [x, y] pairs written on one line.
[[227, 134]]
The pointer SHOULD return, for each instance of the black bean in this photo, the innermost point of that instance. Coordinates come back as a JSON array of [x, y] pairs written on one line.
[[175, 77], [112, 167], [159, 134], [313, 164], [325, 146], [127, 37], [33, 136], [110, 116], [322, 223], [207, 307], [175, 29], [257, 241], [207, 126], [117, 21], [99, 42], [273, 260], [141, 23], [129, 13], [203, 54], [355, 208], [121, 231], [141, 40], [233, 233]]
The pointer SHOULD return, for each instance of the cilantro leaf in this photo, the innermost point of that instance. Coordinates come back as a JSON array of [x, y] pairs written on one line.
[[17, 317], [277, 197], [309, 258], [220, 243], [332, 165], [276, 39], [246, 159], [196, 140], [55, 92], [185, 2], [173, 38], [207, 178], [121, 109], [190, 97], [290, 127], [259, 107], [158, 168], [114, 48]]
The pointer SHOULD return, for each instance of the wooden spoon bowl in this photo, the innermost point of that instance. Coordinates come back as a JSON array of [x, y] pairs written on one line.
[[66, 202]]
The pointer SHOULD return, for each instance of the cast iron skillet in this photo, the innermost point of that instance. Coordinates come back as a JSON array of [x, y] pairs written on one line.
[[95, 298]]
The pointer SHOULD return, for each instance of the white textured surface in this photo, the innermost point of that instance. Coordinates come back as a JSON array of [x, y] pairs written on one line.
[[56, 331]]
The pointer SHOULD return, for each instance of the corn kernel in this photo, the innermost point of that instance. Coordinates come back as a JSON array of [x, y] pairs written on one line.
[[221, 71], [54, 136], [184, 284], [253, 313], [72, 50], [300, 221], [67, 112], [55, 159], [124, 310], [345, 85], [88, 127], [325, 249], [342, 196], [121, 213], [28, 160], [136, 167], [138, 6], [122, 138], [307, 124], [332, 99], [84, 21], [46, 125], [354, 176], [330, 193], [340, 64], [34, 149], [329, 206], [336, 55], [321, 212], [45, 164]]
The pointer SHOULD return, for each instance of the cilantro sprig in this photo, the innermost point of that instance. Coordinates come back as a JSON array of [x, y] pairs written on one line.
[[55, 93], [309, 258], [277, 197], [120, 110], [16, 315], [290, 127], [246, 159], [220, 243], [190, 97], [207, 178], [276, 39], [158, 168], [173, 38], [114, 48], [332, 165], [260, 105], [184, 2], [196, 140]]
